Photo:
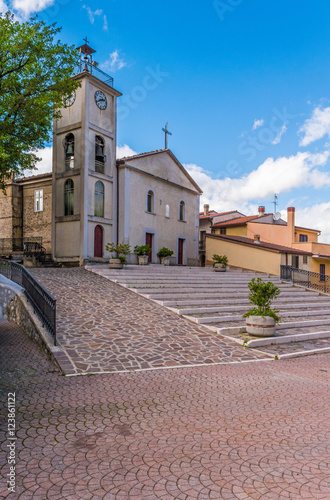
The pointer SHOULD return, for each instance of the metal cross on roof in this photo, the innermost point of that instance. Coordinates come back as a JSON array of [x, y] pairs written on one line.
[[85, 40], [166, 134]]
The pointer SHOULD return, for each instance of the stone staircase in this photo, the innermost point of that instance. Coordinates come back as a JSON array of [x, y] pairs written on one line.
[[219, 300]]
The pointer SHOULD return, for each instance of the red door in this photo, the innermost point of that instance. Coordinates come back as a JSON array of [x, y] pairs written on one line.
[[149, 242], [180, 251], [98, 241]]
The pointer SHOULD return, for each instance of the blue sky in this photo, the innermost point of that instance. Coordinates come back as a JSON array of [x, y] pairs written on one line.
[[244, 85]]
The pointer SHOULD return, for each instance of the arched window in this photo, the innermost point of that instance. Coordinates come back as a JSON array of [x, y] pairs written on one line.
[[100, 157], [182, 210], [69, 151], [99, 199], [68, 197], [167, 211], [150, 201]]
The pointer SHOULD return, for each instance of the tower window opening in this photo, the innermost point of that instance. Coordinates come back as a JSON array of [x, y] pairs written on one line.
[[69, 152], [100, 157]]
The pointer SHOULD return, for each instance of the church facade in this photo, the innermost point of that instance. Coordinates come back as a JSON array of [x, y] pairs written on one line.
[[91, 198]]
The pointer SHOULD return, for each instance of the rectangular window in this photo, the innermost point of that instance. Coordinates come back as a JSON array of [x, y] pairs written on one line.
[[322, 272], [305, 259], [167, 211], [223, 230], [39, 200], [303, 238]]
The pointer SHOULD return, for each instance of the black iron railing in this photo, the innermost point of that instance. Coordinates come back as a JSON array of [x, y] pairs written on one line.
[[308, 279], [42, 301], [9, 245]]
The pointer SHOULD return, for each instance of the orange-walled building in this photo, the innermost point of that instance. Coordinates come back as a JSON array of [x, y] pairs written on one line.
[[297, 245]]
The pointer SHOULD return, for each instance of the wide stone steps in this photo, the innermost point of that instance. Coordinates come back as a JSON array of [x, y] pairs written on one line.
[[218, 301], [313, 304]]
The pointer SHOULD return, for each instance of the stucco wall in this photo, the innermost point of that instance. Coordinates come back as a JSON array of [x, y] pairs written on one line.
[[246, 257], [135, 221]]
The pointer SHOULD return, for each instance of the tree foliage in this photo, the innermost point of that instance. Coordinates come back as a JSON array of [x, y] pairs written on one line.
[[35, 77]]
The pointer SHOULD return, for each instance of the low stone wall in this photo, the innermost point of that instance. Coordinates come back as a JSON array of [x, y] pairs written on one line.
[[15, 307]]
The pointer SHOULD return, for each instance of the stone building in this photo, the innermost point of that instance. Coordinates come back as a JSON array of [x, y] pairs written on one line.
[[90, 198]]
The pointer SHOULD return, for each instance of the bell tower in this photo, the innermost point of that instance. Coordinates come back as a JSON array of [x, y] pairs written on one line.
[[84, 166]]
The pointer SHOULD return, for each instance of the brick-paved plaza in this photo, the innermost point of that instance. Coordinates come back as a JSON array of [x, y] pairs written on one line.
[[232, 431], [104, 327]]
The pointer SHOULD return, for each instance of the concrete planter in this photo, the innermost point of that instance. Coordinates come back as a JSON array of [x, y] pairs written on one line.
[[260, 326], [115, 264], [143, 260], [165, 261], [219, 268]]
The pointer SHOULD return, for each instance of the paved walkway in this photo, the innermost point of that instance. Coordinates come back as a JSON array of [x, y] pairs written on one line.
[[104, 327], [233, 431]]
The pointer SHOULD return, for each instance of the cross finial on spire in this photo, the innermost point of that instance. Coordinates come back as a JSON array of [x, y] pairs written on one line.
[[86, 40], [166, 134]]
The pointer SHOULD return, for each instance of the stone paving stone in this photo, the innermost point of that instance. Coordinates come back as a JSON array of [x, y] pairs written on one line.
[[231, 431], [105, 327]]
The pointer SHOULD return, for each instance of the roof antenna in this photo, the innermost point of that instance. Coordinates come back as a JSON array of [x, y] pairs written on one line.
[[277, 215]]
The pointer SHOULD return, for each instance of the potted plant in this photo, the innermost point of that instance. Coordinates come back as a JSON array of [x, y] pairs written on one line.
[[142, 253], [220, 262], [261, 320], [121, 250], [164, 254]]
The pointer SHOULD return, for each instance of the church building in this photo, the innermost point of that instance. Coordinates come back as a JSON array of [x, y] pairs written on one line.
[[92, 198]]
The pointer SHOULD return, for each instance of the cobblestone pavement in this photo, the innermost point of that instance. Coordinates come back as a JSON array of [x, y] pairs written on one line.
[[104, 327], [232, 431]]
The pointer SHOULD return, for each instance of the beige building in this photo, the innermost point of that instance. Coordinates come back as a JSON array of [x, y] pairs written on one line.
[[91, 199]]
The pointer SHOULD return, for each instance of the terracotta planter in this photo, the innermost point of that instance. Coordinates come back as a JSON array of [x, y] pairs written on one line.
[[260, 326], [165, 261], [143, 260], [115, 264], [219, 268]]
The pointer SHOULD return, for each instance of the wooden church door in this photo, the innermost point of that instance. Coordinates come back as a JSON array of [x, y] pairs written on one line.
[[180, 251], [98, 241], [149, 242]]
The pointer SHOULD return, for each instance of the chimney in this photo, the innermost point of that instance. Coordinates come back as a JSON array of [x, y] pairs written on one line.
[[256, 239], [206, 209], [261, 211], [291, 225]]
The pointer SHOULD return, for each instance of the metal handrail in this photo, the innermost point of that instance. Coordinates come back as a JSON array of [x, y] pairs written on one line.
[[42, 301], [308, 279], [17, 244]]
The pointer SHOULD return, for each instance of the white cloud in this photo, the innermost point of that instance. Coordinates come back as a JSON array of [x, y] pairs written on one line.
[[316, 217], [125, 150], [273, 176], [43, 166], [91, 13], [315, 127], [258, 123], [105, 23], [27, 7], [277, 139], [114, 63], [3, 7]]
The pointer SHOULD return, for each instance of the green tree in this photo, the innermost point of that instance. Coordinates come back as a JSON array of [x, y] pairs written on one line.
[[35, 77]]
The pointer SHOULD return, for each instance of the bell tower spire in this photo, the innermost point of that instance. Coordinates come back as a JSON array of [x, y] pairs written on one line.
[[84, 166]]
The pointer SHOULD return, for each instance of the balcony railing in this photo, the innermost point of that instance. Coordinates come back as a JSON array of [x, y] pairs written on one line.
[[41, 300], [308, 279], [99, 167], [10, 245]]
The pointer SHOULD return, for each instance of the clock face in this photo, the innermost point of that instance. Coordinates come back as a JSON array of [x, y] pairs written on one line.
[[68, 101], [100, 99]]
